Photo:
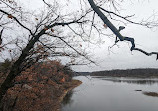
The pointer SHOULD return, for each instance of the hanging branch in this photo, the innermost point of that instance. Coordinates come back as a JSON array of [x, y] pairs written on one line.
[[116, 31]]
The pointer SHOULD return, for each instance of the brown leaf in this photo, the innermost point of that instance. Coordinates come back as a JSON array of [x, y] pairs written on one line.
[[52, 30], [105, 25], [10, 16], [36, 18], [46, 28]]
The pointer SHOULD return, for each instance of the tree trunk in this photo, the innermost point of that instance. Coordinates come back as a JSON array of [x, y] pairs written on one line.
[[15, 69]]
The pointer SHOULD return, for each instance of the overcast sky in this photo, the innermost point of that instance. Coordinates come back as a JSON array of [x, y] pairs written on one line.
[[147, 39], [122, 57]]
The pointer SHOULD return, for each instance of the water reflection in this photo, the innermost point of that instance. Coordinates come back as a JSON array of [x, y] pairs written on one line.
[[67, 99], [109, 94], [129, 80]]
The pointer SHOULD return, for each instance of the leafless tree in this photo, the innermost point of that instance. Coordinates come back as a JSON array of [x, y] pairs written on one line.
[[39, 39], [50, 34]]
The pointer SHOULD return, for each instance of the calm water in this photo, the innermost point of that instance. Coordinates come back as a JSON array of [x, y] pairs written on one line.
[[112, 94]]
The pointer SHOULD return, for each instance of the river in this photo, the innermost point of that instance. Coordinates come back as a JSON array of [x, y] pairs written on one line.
[[113, 94]]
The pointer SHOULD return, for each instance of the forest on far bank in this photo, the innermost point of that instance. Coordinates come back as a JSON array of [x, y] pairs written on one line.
[[140, 72]]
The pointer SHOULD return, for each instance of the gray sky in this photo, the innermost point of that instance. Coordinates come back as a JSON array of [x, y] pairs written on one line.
[[122, 57], [147, 39]]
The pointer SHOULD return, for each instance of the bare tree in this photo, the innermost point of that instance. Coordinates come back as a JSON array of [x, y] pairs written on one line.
[[50, 34], [39, 39]]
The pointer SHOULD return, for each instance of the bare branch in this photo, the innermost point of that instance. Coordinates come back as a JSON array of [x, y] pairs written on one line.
[[125, 18], [116, 31], [74, 49], [16, 20]]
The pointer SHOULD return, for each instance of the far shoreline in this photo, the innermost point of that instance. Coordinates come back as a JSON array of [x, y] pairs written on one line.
[[138, 73]]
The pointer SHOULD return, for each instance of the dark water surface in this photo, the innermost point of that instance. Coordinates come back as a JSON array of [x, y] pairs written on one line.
[[113, 94]]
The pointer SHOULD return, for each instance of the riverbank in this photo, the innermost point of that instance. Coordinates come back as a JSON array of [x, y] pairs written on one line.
[[41, 87], [47, 98], [66, 87]]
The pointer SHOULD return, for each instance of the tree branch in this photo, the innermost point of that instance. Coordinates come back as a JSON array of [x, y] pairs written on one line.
[[116, 31], [16, 20], [74, 49], [125, 18]]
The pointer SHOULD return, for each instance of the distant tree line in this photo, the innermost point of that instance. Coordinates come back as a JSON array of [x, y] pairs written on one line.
[[148, 72]]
